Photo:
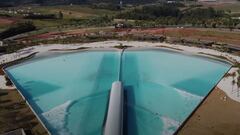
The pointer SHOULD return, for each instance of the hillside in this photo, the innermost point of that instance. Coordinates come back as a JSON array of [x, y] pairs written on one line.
[[55, 2]]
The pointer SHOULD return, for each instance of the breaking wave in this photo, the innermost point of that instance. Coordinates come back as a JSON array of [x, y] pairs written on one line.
[[188, 95], [169, 125], [56, 118]]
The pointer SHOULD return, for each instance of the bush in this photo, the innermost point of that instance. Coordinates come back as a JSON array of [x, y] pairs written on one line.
[[108, 6], [151, 12], [8, 81], [94, 21], [169, 14], [41, 16]]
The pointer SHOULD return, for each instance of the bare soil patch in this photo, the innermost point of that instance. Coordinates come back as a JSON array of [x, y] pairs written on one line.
[[218, 115]]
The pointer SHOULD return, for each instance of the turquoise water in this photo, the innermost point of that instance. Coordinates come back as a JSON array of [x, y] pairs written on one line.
[[163, 88], [70, 92]]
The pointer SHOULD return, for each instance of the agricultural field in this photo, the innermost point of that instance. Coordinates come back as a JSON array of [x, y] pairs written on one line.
[[74, 20], [70, 14], [74, 11], [222, 36], [231, 6], [4, 22]]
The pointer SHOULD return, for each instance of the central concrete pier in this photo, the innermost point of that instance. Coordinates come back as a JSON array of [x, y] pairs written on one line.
[[114, 118]]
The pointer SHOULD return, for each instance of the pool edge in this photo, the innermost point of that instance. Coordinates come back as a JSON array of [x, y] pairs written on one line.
[[199, 105], [28, 104], [31, 56]]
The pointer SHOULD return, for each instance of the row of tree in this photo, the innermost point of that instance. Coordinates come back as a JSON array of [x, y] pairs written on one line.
[[44, 16], [94, 21], [166, 14], [150, 12], [17, 29]]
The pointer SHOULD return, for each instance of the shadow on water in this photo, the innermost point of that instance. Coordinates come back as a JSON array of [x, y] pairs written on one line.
[[94, 106], [129, 121], [32, 89], [38, 88], [201, 84], [90, 109], [195, 86], [27, 90], [131, 78], [87, 113]]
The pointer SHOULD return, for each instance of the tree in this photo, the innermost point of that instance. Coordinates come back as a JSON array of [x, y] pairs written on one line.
[[233, 83], [17, 29], [39, 1], [60, 15], [230, 24], [214, 25], [238, 81]]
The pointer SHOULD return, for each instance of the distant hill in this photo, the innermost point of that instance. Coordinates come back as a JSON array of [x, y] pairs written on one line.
[[56, 2]]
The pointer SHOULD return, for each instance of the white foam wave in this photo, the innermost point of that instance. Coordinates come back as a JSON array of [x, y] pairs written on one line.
[[188, 95], [169, 125], [56, 117]]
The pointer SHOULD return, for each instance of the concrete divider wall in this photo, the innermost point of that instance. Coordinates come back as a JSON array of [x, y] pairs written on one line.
[[114, 118]]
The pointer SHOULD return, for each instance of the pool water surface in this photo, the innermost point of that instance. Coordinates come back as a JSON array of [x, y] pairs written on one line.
[[70, 92]]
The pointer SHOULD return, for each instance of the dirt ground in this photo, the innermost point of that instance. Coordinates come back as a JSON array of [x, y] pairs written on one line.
[[216, 116], [6, 21], [224, 36], [15, 114]]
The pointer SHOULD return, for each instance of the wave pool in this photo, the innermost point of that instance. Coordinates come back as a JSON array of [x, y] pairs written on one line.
[[70, 92]]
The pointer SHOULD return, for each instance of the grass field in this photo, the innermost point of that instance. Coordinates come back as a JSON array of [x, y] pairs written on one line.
[[74, 11], [205, 34], [69, 13], [74, 15], [222, 36], [233, 7], [6, 22]]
